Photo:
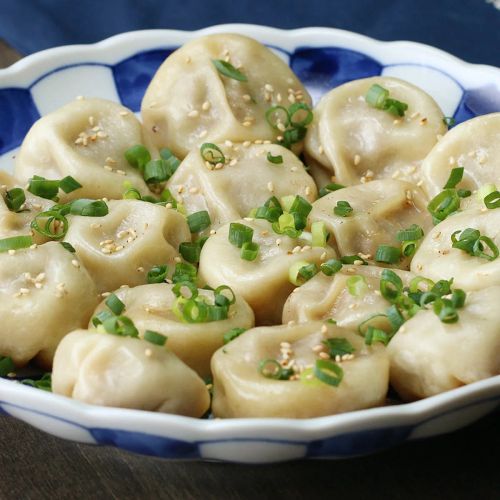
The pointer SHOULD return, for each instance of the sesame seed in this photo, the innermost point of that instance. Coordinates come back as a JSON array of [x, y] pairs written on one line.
[[140, 269], [124, 113], [318, 348], [11, 252], [212, 232], [205, 106], [194, 190], [247, 123], [148, 352], [291, 323], [324, 355], [357, 159], [247, 97], [296, 249], [270, 186], [278, 241], [321, 150], [233, 162], [177, 260], [423, 121], [108, 168], [307, 191], [193, 113], [324, 329], [294, 169], [269, 87], [75, 263]]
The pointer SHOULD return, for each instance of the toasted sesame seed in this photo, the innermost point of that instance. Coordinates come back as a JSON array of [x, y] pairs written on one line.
[[246, 97], [205, 106], [124, 113], [307, 190], [247, 123], [423, 121], [246, 144], [294, 169], [193, 113], [148, 352], [75, 263], [321, 150], [318, 348], [324, 355], [108, 168], [270, 186], [357, 159], [177, 260], [324, 329]]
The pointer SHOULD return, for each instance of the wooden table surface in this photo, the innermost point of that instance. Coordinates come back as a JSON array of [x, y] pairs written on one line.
[[34, 465]]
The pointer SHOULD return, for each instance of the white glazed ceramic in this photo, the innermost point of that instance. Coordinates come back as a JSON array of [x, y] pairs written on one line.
[[120, 68]]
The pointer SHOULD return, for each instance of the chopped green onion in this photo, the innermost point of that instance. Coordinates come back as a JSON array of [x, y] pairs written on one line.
[[132, 194], [391, 285], [356, 285], [240, 234], [485, 190], [413, 233], [120, 325], [115, 304], [157, 274], [449, 121], [192, 311], [249, 250], [15, 243], [328, 372], [445, 310], [319, 234], [378, 97], [388, 254], [478, 248], [455, 177], [444, 204], [303, 108], [464, 193], [198, 221], [292, 136], [396, 319], [227, 69], [137, 156], [270, 368], [221, 299], [172, 162], [184, 272], [376, 319], [301, 271], [156, 172], [277, 160], [408, 248], [442, 287], [190, 251], [43, 188], [471, 241], [274, 119], [300, 206], [492, 200], [352, 259], [330, 188], [331, 267], [155, 337], [415, 283], [458, 297], [68, 184], [68, 246], [179, 287], [6, 366], [101, 317], [89, 208], [343, 209], [212, 153], [55, 227], [15, 199], [232, 334], [286, 225], [376, 335], [338, 347], [44, 383]]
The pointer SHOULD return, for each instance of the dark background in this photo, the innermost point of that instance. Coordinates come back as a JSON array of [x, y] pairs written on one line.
[[463, 465]]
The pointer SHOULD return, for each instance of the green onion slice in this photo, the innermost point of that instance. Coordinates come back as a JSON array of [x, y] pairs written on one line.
[[184, 272], [249, 250], [157, 274], [156, 172], [376, 96], [301, 271], [444, 204], [190, 251], [221, 298], [376, 335], [338, 346], [319, 234], [277, 115], [43, 188], [232, 334], [449, 121], [277, 160], [6, 366], [413, 233], [68, 246], [301, 109], [492, 200], [179, 287], [15, 243], [240, 234], [120, 325], [198, 221], [352, 259], [328, 372], [388, 254], [270, 368], [357, 285], [227, 69], [455, 177], [55, 226], [15, 199], [445, 310], [155, 337], [212, 153], [331, 267], [330, 188], [391, 285], [137, 156], [69, 184], [89, 208], [343, 209], [115, 304]]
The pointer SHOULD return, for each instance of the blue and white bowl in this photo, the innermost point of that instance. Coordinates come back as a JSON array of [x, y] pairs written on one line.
[[120, 69]]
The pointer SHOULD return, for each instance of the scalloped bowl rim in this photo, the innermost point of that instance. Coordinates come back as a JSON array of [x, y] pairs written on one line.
[[23, 74]]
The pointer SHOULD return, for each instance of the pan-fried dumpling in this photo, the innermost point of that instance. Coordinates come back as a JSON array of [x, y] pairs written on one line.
[[264, 282], [242, 390], [473, 145], [85, 139], [14, 223], [436, 259], [44, 294], [380, 210], [121, 247], [150, 308], [190, 102], [357, 142], [126, 372], [246, 181], [429, 357], [324, 297]]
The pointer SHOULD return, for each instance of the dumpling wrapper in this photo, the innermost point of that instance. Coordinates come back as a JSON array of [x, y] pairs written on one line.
[[240, 390], [126, 372], [44, 294], [436, 259], [150, 308], [85, 139], [19, 224], [429, 357], [246, 182], [121, 247], [356, 142], [189, 102], [264, 282], [324, 297], [473, 145], [380, 209]]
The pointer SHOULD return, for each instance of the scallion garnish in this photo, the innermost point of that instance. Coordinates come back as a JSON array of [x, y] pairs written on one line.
[[89, 208], [277, 117], [492, 200], [179, 289], [388, 254], [171, 160], [328, 372], [413, 233], [352, 259], [270, 368], [44, 383], [464, 193], [343, 209], [319, 234], [6, 366], [301, 271], [212, 153], [69, 184], [137, 156], [120, 325], [444, 204], [156, 172], [15, 243], [68, 246], [472, 242], [277, 160], [376, 319], [356, 285], [184, 272], [455, 177], [155, 337], [249, 250], [190, 251], [378, 97], [300, 109], [391, 285], [157, 274], [449, 121], [286, 225], [376, 335], [330, 188], [198, 221], [115, 304], [485, 190], [331, 266], [54, 225], [232, 334], [227, 69], [44, 188], [446, 311], [338, 346], [239, 234], [15, 199]]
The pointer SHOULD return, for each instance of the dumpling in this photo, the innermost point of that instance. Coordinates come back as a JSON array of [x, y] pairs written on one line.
[[473, 145], [126, 372], [429, 357], [189, 102], [85, 139], [246, 181], [324, 297], [44, 293], [150, 308], [241, 390], [380, 209], [121, 247], [357, 142], [437, 259], [264, 282], [18, 223]]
